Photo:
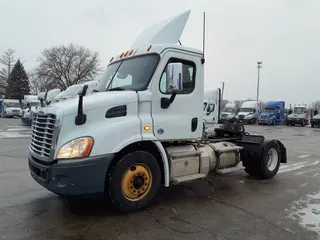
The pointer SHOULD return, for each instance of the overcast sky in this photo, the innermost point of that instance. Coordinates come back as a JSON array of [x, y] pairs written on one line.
[[283, 34]]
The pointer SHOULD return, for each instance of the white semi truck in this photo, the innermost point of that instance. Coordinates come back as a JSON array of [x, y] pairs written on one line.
[[142, 129], [249, 112], [229, 113], [299, 116], [30, 103], [211, 107]]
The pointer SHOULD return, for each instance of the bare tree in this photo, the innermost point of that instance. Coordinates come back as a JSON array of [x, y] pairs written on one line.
[[64, 66], [39, 84], [7, 59]]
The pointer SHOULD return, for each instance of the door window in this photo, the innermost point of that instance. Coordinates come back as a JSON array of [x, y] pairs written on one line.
[[188, 76]]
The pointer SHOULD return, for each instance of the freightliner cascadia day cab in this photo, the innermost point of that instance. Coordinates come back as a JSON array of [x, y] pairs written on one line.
[[143, 128], [273, 113], [249, 112], [229, 113]]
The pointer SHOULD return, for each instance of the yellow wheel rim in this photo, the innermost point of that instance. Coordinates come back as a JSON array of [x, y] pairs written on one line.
[[136, 182]]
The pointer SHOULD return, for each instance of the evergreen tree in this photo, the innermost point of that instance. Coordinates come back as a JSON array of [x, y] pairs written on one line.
[[18, 82]]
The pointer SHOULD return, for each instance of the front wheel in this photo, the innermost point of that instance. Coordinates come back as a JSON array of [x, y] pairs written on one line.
[[267, 167], [134, 182]]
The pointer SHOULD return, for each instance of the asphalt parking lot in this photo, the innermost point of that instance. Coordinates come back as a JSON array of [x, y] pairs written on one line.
[[231, 206]]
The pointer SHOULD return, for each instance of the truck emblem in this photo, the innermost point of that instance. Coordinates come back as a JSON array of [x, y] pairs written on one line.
[[160, 131]]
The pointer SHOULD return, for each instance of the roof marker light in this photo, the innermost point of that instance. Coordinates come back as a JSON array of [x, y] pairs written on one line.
[[126, 53], [121, 55], [111, 59], [130, 52], [148, 49]]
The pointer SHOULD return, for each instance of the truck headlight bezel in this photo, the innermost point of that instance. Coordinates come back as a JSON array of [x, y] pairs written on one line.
[[77, 148]]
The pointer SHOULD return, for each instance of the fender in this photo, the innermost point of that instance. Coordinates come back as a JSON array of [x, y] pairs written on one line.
[[165, 162]]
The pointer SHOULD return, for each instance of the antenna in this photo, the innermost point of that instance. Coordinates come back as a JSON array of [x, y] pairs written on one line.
[[203, 37]]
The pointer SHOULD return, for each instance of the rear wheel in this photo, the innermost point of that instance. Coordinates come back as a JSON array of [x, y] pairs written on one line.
[[134, 181], [268, 166]]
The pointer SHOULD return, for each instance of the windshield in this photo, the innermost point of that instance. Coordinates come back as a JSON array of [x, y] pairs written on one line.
[[270, 110], [246, 109], [32, 104], [229, 110], [12, 104], [298, 110], [131, 74]]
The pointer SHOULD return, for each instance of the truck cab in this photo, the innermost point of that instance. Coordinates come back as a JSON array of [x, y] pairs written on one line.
[[229, 113], [142, 128], [249, 112], [273, 113], [30, 103], [315, 120], [298, 116], [211, 107]]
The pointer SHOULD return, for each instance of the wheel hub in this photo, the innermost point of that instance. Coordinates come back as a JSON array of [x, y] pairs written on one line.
[[136, 182]]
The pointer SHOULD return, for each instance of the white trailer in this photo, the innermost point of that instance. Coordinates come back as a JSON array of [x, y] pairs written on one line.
[[139, 132]]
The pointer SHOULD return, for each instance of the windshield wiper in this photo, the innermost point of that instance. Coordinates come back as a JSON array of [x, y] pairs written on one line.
[[117, 89]]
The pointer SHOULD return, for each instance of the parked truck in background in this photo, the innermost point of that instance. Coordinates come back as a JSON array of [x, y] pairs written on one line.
[[298, 116], [143, 128], [273, 113], [10, 108], [210, 108], [73, 90], [249, 112], [315, 120], [229, 113], [29, 103]]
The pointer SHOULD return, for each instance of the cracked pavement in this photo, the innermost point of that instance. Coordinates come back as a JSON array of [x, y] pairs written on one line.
[[231, 206]]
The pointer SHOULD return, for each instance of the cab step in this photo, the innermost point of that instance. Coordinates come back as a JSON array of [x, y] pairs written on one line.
[[229, 170], [187, 178]]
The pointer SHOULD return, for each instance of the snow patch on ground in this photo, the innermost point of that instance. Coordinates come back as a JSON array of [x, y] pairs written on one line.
[[306, 211]]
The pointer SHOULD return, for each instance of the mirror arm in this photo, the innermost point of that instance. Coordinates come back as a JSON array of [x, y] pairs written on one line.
[[166, 102], [81, 118], [173, 96]]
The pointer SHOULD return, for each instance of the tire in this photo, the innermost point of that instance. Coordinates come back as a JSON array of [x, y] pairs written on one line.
[[136, 172], [312, 125], [263, 168]]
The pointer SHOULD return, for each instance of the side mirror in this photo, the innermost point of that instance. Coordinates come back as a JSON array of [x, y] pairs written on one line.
[[174, 77]]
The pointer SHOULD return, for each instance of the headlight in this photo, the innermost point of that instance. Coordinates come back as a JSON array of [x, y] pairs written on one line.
[[80, 147]]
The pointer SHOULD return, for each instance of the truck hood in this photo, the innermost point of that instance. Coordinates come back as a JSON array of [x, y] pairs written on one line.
[[266, 114], [229, 114], [316, 116], [97, 100], [244, 113]]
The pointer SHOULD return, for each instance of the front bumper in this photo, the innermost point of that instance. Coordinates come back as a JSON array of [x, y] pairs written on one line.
[[72, 177], [295, 121], [315, 122], [13, 114], [244, 120]]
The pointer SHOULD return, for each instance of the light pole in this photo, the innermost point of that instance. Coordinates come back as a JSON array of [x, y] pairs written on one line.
[[222, 90], [259, 65]]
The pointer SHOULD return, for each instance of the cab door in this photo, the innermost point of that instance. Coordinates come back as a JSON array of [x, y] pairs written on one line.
[[183, 117]]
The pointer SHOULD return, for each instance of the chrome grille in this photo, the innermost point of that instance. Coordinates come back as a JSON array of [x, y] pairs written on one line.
[[224, 115], [241, 116], [42, 134]]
